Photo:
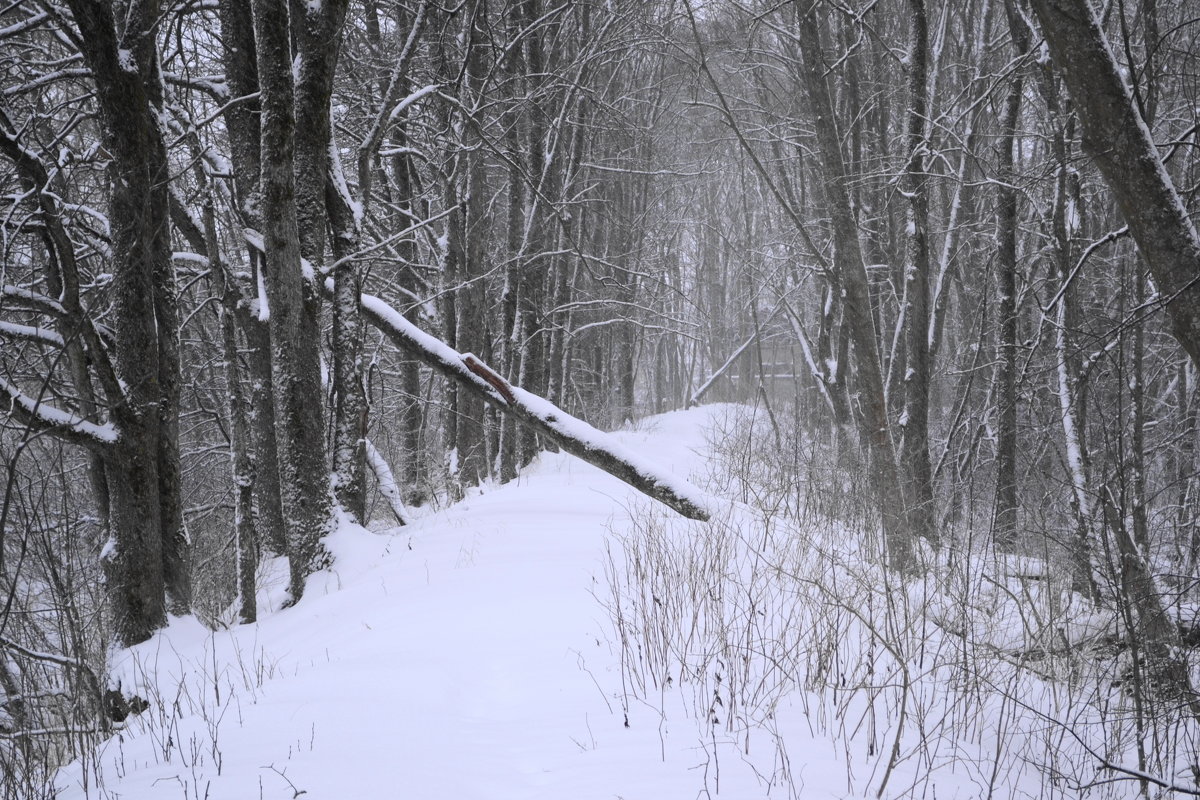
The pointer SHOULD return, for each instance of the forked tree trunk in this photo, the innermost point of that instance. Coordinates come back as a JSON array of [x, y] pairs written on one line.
[[239, 54], [142, 467]]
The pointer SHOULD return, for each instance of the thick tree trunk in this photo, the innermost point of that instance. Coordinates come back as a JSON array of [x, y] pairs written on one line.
[[1005, 525], [142, 469], [914, 444], [295, 368], [239, 53], [316, 30]]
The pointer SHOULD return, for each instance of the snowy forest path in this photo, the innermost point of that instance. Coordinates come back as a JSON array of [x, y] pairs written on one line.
[[467, 655]]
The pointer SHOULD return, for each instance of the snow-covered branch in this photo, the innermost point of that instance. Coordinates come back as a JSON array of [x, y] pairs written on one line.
[[33, 333], [33, 412], [26, 298], [387, 482]]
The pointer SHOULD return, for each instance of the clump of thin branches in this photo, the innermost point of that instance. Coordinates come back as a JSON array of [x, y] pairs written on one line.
[[768, 627]]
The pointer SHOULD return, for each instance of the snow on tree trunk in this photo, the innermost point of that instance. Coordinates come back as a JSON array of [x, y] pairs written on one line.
[[142, 469], [296, 374]]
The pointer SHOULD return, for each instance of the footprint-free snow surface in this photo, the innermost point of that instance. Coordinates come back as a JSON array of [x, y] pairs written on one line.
[[467, 655]]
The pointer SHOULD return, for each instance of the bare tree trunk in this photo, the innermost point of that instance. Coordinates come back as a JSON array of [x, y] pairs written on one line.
[[1005, 524], [914, 444], [534, 343], [350, 403], [1137, 422], [239, 54], [470, 318], [295, 368], [268, 492], [245, 535], [1118, 140], [851, 273], [143, 552], [316, 30], [322, 200], [510, 344], [1080, 547]]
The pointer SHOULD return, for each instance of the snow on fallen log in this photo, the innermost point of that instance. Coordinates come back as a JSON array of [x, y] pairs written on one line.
[[387, 482], [570, 433]]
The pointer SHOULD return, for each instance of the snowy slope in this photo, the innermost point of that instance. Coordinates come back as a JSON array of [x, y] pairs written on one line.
[[464, 656]]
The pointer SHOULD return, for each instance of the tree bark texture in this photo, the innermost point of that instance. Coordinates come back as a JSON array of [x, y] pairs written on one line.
[[914, 444], [294, 358], [1004, 531], [145, 559]]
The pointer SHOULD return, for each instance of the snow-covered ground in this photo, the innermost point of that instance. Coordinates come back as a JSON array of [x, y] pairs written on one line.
[[473, 654], [463, 656]]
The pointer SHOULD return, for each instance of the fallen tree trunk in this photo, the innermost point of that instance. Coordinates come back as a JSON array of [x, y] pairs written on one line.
[[694, 400], [571, 434], [387, 482]]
